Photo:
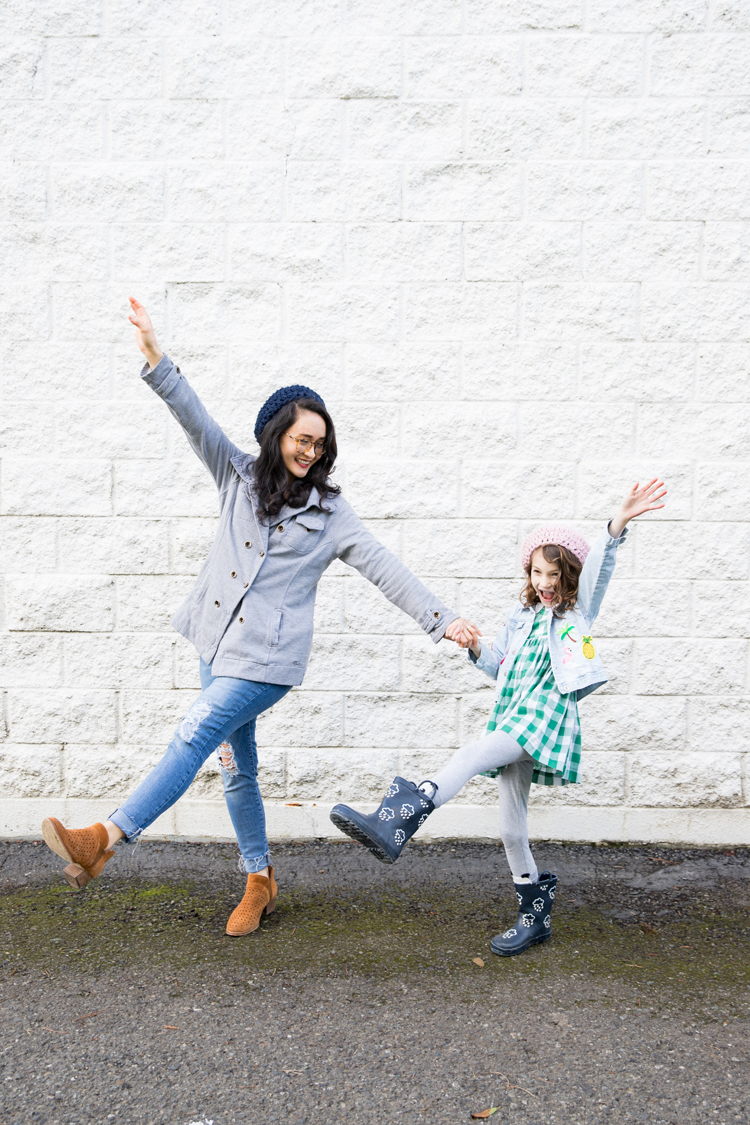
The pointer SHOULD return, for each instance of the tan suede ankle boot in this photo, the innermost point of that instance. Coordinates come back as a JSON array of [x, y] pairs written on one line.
[[259, 898], [84, 848]]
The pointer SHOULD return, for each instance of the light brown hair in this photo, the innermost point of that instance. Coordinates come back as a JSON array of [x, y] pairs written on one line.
[[567, 585]]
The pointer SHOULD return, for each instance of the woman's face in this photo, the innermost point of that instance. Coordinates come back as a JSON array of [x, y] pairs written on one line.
[[308, 428], [545, 577]]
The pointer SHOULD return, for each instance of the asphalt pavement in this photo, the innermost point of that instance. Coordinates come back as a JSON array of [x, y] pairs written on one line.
[[371, 994]]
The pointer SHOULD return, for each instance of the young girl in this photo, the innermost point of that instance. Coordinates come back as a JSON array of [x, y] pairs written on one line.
[[544, 660]]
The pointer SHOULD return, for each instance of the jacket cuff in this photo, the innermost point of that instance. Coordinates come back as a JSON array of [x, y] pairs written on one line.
[[616, 542], [158, 376], [441, 623], [481, 662]]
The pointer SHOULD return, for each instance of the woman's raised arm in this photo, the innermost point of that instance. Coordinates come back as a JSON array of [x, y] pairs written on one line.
[[145, 337], [203, 432]]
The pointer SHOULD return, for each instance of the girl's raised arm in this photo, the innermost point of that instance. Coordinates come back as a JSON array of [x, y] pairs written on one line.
[[600, 561], [638, 500]]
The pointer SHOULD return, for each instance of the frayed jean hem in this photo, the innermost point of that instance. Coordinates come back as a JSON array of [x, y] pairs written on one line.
[[257, 863], [132, 832]]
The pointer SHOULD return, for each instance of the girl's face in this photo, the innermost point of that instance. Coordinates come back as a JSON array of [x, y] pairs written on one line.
[[545, 578], [309, 430]]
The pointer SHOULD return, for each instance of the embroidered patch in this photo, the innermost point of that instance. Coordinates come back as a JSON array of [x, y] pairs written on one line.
[[567, 632], [588, 649], [567, 655]]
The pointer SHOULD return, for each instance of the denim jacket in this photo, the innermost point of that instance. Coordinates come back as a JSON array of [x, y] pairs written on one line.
[[250, 613], [576, 664]]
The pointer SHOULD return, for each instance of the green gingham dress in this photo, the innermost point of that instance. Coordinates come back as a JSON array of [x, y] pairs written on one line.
[[532, 710]]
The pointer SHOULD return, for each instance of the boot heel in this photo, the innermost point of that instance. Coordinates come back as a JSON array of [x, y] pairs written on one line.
[[271, 906], [77, 876]]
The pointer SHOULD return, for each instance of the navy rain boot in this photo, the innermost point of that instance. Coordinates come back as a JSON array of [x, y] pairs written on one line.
[[385, 832], [534, 924]]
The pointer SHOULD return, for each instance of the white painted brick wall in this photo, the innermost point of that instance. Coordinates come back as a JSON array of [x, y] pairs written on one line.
[[510, 244]]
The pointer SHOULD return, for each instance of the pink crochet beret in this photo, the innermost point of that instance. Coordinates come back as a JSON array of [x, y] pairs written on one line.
[[558, 534]]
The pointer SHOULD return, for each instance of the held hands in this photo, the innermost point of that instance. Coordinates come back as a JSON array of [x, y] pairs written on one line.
[[638, 500], [145, 337], [464, 634]]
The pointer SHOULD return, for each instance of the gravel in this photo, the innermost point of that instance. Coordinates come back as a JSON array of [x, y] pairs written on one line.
[[360, 997]]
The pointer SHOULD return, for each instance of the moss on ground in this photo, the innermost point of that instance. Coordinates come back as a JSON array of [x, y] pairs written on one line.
[[698, 959]]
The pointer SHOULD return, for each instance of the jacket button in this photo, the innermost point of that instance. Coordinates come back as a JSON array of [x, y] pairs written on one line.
[[242, 621], [246, 585], [280, 527], [234, 574], [262, 554], [436, 613], [217, 603], [248, 543]]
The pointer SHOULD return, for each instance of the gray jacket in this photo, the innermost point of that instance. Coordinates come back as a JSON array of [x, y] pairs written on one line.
[[250, 613]]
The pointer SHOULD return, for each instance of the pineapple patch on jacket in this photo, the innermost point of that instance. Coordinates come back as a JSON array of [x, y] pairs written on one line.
[[576, 664]]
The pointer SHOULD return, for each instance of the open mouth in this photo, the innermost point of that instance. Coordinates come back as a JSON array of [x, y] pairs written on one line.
[[547, 596], [303, 464]]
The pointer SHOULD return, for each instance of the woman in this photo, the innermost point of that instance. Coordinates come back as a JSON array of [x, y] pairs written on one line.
[[250, 613]]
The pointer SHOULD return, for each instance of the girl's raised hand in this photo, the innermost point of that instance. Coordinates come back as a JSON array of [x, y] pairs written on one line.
[[640, 499], [145, 337]]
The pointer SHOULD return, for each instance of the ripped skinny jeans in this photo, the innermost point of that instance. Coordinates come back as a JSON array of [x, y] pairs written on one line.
[[221, 718]]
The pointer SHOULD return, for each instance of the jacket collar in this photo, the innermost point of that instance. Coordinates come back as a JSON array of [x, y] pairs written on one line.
[[313, 501], [243, 464]]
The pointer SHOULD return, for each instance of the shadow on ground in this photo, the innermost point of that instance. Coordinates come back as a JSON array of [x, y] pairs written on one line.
[[361, 997]]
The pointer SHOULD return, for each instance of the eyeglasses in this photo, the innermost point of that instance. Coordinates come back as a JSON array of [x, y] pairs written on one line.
[[305, 443]]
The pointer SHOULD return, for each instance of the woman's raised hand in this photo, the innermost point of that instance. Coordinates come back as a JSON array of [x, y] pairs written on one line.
[[640, 499], [463, 633], [145, 337]]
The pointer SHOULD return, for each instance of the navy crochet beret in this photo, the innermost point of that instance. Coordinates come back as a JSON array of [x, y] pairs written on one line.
[[280, 398]]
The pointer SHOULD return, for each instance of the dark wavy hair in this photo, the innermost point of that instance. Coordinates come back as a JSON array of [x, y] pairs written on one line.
[[570, 572], [272, 486]]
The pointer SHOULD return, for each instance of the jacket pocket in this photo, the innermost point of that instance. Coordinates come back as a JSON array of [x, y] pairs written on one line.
[[274, 628], [305, 533]]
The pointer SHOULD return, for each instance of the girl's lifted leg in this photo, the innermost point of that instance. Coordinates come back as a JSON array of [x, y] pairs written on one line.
[[407, 804]]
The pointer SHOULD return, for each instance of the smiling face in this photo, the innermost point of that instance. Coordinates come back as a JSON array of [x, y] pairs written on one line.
[[307, 425], [545, 578]]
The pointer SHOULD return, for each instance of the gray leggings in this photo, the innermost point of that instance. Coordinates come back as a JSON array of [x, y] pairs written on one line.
[[497, 749]]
